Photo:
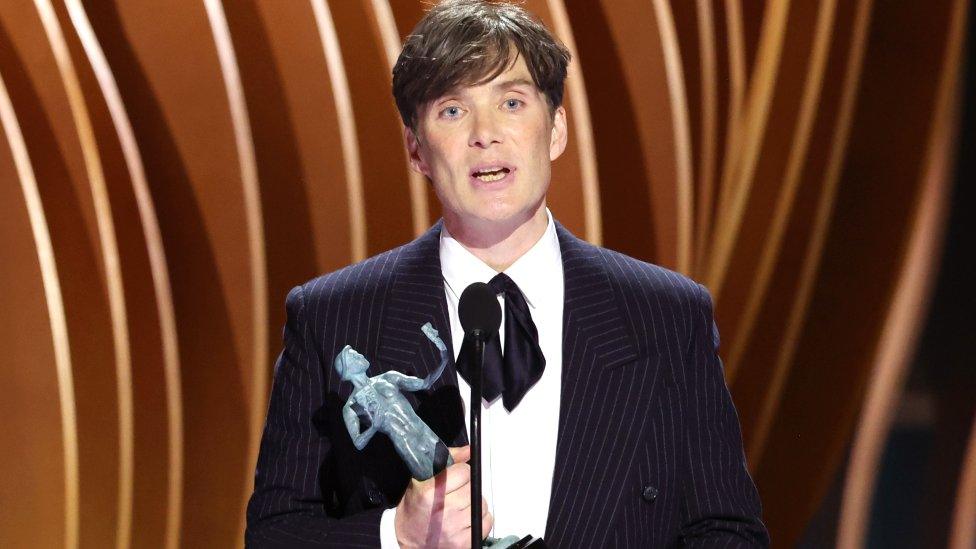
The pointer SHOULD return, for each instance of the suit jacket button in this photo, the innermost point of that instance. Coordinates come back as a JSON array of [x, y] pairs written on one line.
[[649, 493]]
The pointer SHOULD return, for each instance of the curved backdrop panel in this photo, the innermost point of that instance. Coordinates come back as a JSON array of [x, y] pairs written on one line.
[[170, 172]]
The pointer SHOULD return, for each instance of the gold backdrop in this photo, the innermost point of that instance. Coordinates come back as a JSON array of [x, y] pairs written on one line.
[[168, 170]]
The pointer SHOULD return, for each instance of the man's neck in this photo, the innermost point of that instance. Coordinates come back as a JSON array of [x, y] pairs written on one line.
[[499, 245]]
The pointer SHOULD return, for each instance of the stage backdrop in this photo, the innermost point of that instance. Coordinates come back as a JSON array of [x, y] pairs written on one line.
[[168, 170]]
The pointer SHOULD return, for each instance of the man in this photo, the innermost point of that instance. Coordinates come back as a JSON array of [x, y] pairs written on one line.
[[607, 421]]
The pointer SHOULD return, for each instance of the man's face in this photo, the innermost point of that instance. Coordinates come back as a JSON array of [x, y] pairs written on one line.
[[487, 149]]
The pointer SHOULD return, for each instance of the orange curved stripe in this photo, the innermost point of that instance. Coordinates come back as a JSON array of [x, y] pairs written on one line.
[[738, 182], [347, 127], [157, 259], [709, 114], [390, 37], [681, 127], [963, 534], [813, 85], [811, 262], [255, 233], [909, 304], [737, 86], [110, 257], [56, 313], [582, 125]]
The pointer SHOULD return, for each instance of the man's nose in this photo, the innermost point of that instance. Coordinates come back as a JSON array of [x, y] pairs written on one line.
[[484, 131]]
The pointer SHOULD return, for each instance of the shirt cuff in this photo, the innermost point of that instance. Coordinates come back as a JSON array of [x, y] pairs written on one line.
[[388, 539]]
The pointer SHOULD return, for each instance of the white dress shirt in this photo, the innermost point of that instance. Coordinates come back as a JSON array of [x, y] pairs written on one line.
[[518, 448]]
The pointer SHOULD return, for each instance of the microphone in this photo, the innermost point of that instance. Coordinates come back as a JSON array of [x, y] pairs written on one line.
[[479, 311], [480, 317]]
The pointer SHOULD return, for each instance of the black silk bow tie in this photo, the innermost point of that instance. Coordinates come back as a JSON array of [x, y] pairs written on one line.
[[513, 373]]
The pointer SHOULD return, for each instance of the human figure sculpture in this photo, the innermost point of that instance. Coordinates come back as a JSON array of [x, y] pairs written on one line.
[[378, 405]]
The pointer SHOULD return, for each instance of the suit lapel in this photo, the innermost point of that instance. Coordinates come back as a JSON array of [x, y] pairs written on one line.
[[597, 412], [416, 296]]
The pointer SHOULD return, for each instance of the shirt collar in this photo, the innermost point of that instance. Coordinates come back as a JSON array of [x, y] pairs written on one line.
[[532, 272]]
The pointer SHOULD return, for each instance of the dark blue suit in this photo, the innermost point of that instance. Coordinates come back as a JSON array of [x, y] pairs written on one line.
[[649, 451]]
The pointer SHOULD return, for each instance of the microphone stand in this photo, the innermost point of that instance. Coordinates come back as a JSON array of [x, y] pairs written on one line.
[[480, 316], [475, 414]]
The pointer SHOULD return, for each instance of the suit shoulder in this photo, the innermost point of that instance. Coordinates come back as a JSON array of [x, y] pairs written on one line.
[[363, 277], [650, 278], [671, 294]]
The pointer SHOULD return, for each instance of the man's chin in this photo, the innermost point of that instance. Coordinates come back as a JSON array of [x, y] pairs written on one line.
[[507, 218]]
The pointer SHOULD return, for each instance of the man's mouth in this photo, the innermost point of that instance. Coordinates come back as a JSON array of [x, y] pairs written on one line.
[[491, 174]]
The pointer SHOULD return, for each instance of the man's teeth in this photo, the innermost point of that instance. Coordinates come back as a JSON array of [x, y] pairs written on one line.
[[491, 175]]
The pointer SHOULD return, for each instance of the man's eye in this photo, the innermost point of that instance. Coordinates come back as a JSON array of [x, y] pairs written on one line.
[[512, 104], [451, 112]]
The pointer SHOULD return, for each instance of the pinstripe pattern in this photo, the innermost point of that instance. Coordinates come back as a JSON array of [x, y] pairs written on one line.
[[649, 452]]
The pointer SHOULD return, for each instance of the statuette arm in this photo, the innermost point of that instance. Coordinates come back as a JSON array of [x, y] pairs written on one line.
[[351, 418]]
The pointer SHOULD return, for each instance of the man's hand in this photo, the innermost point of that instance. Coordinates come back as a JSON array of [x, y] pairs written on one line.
[[437, 512]]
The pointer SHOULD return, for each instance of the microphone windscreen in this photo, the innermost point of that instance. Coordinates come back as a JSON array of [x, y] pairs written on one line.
[[479, 310]]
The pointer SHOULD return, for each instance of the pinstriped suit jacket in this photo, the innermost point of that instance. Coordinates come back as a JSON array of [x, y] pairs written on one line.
[[649, 451]]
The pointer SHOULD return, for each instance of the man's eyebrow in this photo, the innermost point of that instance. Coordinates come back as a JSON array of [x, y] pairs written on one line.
[[513, 83], [507, 84]]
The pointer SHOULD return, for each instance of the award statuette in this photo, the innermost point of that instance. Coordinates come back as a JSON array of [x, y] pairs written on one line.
[[377, 404]]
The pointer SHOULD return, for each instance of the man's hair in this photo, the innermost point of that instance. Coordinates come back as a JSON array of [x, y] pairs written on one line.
[[468, 43]]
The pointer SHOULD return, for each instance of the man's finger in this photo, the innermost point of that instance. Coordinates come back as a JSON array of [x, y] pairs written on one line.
[[446, 481], [460, 454], [456, 477], [459, 500], [487, 521]]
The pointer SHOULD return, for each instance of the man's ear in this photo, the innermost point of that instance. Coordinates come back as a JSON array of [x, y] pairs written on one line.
[[560, 135], [417, 163]]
